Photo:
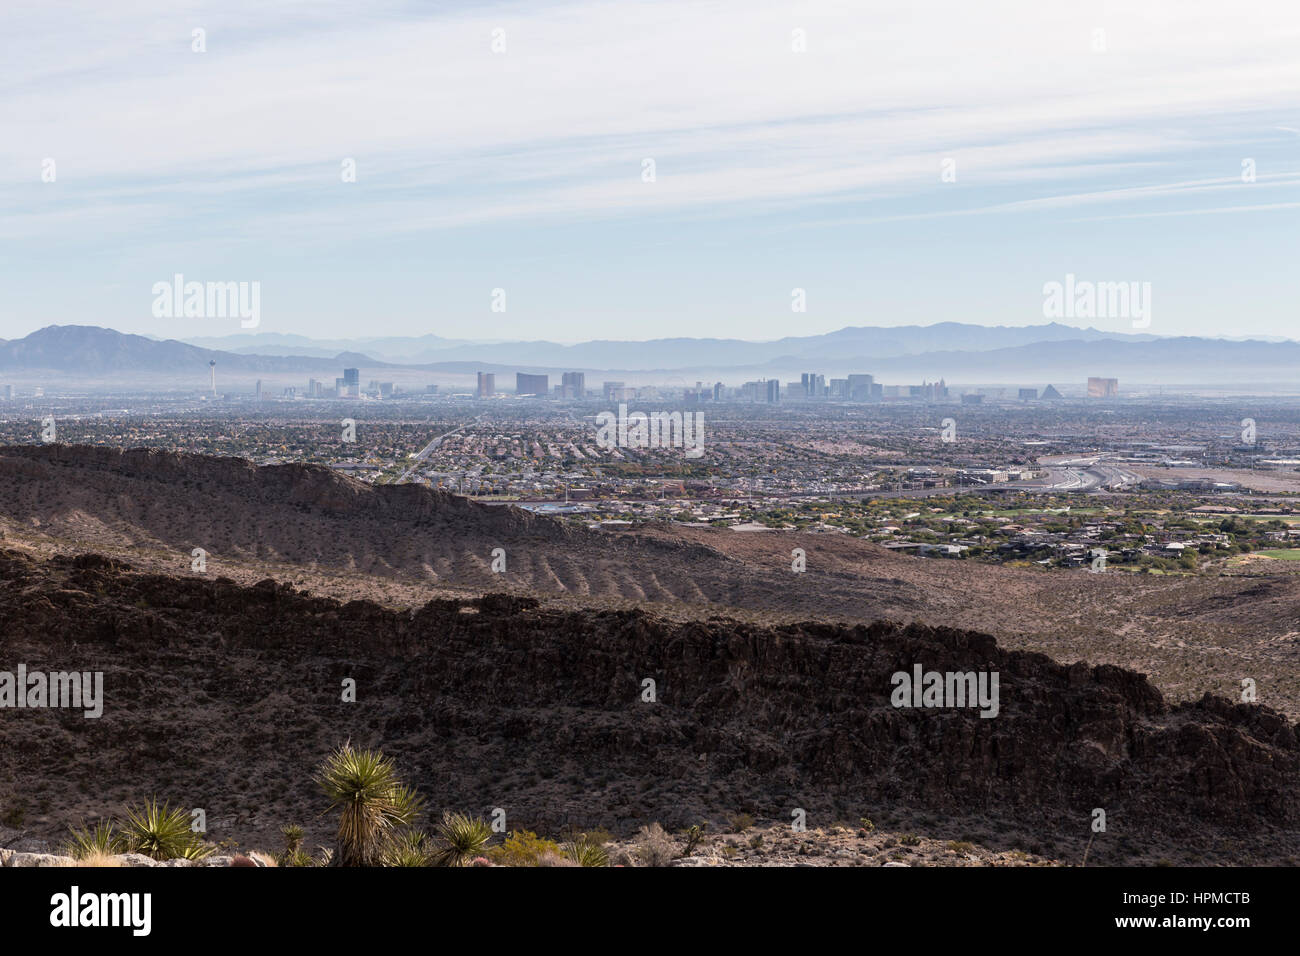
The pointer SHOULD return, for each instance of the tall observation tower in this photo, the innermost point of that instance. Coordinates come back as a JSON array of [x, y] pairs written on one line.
[[212, 368]]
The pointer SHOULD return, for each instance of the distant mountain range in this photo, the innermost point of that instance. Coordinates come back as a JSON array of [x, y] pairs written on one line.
[[89, 349], [955, 351], [402, 349], [671, 353]]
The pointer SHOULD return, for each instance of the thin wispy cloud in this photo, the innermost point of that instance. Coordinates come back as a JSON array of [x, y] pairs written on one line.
[[1041, 107], [562, 119]]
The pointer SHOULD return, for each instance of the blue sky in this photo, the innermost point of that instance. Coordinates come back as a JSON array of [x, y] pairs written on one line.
[[1115, 156]]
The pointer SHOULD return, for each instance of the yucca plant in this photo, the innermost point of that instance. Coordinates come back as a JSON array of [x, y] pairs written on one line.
[[196, 850], [160, 833], [294, 854], [103, 840], [463, 838], [694, 837], [586, 852], [293, 835], [363, 786], [409, 848]]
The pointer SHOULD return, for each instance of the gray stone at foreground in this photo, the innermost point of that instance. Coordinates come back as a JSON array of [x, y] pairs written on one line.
[[14, 858], [17, 859]]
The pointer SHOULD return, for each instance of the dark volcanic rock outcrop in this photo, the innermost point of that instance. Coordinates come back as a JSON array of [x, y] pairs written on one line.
[[227, 697]]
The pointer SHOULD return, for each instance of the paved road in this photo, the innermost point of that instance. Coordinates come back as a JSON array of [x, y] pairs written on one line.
[[427, 450], [1094, 475]]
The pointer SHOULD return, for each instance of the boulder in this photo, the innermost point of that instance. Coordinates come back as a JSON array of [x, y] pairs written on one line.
[[41, 860]]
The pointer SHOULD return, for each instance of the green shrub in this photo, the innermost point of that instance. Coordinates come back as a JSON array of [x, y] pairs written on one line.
[[522, 848]]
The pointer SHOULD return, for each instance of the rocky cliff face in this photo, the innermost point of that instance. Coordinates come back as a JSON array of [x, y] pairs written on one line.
[[226, 698]]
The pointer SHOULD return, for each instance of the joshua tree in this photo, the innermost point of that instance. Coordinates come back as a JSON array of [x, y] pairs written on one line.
[[373, 803]]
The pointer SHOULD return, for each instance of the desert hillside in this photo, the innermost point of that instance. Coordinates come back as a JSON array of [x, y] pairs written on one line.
[[226, 697], [402, 545]]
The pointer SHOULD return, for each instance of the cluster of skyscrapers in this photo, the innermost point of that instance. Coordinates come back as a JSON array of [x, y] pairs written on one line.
[[572, 385], [347, 386], [812, 386], [861, 388]]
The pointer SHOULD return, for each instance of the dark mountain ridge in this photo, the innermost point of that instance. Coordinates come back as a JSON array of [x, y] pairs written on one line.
[[211, 688]]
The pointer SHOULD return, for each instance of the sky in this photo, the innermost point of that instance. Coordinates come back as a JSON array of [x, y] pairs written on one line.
[[899, 163]]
